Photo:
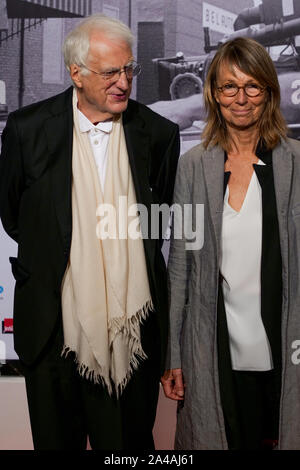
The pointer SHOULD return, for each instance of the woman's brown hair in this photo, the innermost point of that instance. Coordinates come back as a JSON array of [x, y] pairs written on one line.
[[252, 59]]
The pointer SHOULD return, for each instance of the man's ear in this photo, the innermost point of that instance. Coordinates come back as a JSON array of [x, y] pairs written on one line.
[[75, 75]]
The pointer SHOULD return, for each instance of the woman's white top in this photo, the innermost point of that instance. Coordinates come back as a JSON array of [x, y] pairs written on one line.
[[241, 249]]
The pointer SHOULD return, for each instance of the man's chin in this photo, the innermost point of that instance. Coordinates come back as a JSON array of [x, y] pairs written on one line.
[[117, 108]]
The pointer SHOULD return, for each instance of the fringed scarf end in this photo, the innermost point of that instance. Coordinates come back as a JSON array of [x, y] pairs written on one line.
[[86, 372], [130, 328]]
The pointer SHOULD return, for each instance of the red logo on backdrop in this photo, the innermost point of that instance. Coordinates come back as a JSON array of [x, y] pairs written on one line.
[[7, 325]]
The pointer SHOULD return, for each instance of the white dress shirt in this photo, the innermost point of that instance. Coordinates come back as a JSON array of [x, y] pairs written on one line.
[[99, 138], [241, 249]]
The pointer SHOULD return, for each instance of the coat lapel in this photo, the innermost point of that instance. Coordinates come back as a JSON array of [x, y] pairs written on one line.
[[283, 169], [59, 132], [138, 148], [137, 141], [213, 165]]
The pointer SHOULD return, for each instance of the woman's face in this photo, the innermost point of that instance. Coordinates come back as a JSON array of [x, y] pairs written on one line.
[[240, 111]]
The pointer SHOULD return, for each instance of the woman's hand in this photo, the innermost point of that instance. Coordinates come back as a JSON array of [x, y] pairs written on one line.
[[172, 382]]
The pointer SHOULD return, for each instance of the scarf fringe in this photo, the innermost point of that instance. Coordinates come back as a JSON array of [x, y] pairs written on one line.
[[86, 372], [130, 329], [129, 326]]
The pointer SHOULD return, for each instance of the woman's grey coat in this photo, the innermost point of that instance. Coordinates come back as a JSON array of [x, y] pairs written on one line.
[[193, 284]]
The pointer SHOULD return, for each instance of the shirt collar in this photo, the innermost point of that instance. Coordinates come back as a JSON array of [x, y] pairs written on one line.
[[85, 125]]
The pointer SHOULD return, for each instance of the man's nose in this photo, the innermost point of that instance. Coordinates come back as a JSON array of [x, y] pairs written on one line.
[[122, 81]]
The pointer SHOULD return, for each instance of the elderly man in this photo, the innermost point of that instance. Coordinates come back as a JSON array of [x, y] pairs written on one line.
[[90, 311]]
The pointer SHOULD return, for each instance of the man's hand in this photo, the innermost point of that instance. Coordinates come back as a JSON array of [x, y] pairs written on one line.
[[172, 382]]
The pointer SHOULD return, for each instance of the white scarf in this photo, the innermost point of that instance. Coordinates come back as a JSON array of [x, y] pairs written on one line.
[[105, 290]]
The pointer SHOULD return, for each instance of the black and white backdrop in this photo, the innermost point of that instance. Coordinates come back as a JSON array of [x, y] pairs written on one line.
[[175, 41]]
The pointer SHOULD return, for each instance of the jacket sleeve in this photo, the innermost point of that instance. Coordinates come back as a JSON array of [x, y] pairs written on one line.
[[163, 179], [179, 266], [167, 173], [11, 178]]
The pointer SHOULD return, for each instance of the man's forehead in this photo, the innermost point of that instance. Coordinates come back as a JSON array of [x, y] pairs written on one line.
[[100, 39], [110, 51]]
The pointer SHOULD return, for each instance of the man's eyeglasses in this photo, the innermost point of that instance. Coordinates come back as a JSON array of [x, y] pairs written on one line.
[[231, 89], [131, 70]]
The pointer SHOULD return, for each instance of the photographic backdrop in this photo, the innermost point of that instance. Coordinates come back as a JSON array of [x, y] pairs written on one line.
[[175, 43]]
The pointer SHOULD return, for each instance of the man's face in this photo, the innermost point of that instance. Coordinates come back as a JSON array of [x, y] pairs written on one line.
[[98, 98]]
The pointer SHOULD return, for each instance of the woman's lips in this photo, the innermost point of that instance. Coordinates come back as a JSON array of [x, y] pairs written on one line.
[[241, 112]]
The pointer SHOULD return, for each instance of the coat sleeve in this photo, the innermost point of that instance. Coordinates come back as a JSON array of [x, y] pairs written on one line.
[[178, 268], [163, 177], [11, 178], [167, 172]]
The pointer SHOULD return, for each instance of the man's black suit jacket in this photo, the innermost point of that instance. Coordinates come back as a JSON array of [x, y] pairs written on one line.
[[35, 207]]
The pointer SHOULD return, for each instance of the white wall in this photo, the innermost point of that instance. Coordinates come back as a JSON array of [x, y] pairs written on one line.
[[14, 418]]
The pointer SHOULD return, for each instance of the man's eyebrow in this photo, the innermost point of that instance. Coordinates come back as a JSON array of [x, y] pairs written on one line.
[[112, 69]]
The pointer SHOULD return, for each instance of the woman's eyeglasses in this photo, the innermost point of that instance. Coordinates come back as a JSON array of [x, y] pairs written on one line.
[[231, 89]]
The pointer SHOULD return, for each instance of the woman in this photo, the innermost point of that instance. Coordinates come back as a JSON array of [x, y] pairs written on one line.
[[234, 303]]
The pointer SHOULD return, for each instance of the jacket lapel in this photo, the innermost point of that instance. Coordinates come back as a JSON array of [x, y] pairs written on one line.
[[138, 148], [213, 165], [283, 169], [137, 141], [59, 131]]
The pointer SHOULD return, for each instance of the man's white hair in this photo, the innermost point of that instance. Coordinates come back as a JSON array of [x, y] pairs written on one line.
[[76, 44]]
